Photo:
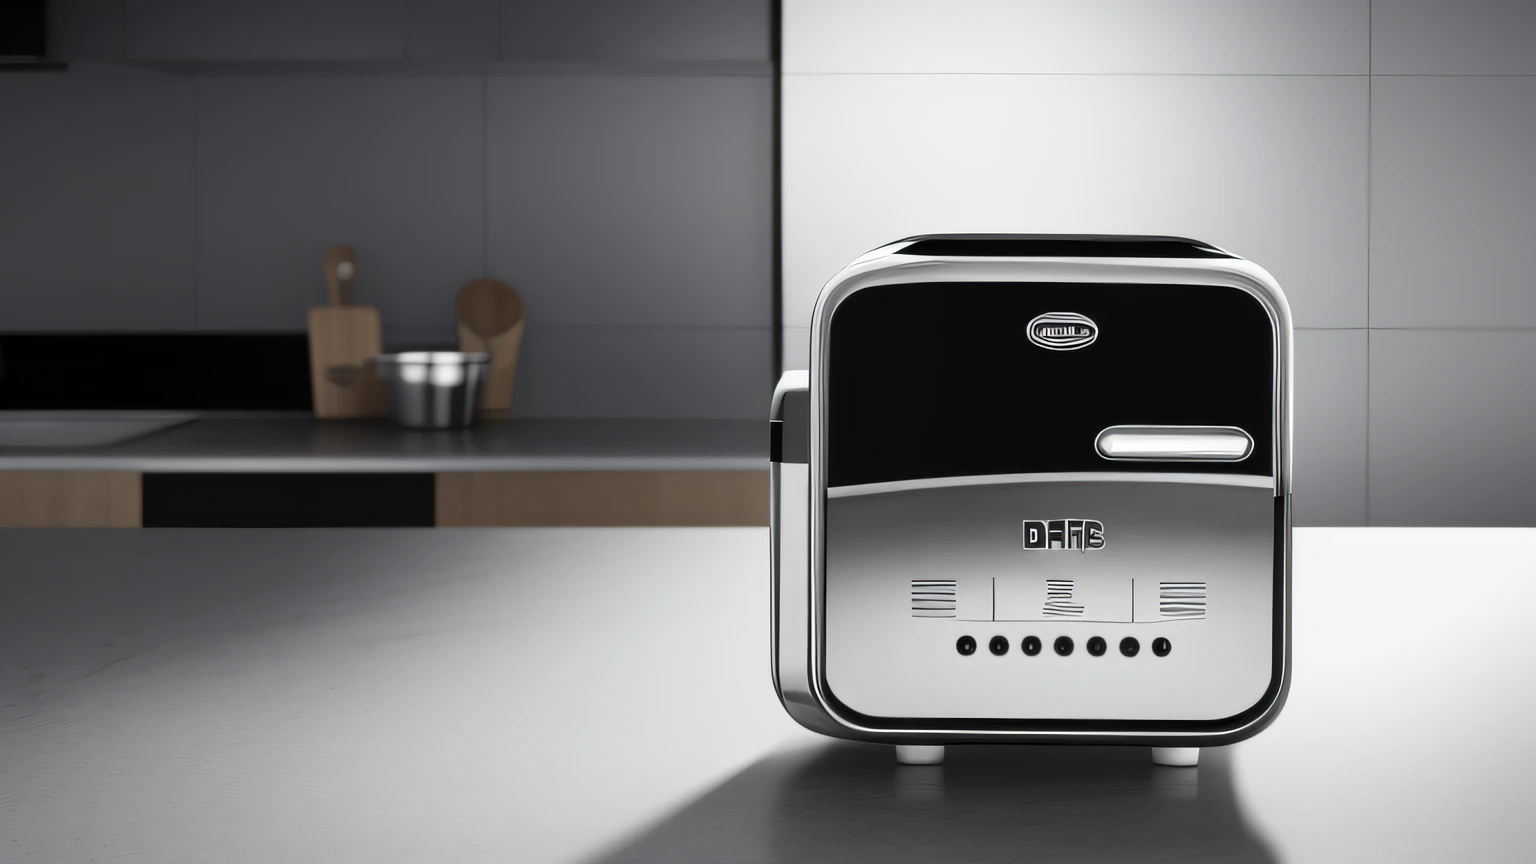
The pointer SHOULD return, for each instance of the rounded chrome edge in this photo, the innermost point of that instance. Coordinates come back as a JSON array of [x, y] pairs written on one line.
[[892, 486], [877, 268], [790, 380]]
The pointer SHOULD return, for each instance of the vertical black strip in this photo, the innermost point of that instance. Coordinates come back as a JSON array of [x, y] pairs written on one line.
[[197, 223], [262, 500], [776, 56]]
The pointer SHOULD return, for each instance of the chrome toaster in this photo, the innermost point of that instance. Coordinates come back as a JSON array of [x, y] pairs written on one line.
[[1036, 488]]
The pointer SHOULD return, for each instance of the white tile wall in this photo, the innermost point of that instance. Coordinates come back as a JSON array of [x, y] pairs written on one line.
[[1451, 420], [1400, 201], [797, 348], [1453, 201], [1260, 37], [97, 202], [1328, 448], [1453, 37], [287, 167], [633, 200], [1273, 168]]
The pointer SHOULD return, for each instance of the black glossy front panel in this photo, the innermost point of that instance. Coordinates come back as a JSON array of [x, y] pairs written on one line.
[[940, 379]]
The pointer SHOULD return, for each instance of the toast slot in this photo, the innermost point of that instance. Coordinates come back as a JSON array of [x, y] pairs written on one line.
[[1175, 443]]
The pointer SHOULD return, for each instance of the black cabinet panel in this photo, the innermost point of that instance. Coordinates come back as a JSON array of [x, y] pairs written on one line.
[[288, 500], [155, 371]]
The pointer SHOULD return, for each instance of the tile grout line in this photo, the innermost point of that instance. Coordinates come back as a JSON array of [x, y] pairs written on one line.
[[1002, 74], [1370, 95], [485, 145], [485, 175], [1450, 328], [776, 192]]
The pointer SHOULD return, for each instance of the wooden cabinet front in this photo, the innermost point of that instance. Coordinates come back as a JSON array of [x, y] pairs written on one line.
[[71, 499], [602, 498]]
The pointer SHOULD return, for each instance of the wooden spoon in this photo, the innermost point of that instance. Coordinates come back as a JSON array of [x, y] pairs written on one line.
[[491, 320]]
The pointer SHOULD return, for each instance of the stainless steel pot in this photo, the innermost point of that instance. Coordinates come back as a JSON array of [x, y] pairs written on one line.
[[433, 389]]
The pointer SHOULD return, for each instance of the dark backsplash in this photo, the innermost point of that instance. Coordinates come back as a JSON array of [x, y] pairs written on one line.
[[181, 371]]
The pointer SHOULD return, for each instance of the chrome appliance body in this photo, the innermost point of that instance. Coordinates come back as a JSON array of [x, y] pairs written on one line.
[[1036, 488]]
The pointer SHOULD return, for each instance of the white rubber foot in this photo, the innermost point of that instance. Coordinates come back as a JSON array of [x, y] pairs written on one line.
[[920, 754], [1176, 757]]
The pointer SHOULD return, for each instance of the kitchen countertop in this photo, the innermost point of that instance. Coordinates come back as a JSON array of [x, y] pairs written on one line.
[[300, 443], [552, 695]]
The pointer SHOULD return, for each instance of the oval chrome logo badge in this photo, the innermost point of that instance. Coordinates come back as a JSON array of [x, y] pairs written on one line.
[[1063, 331]]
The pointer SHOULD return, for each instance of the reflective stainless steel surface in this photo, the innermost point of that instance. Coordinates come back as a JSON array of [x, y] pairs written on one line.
[[1253, 481], [571, 695], [1218, 537], [69, 429], [433, 389]]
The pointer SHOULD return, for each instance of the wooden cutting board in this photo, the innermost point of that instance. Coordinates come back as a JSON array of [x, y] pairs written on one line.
[[342, 338], [491, 320]]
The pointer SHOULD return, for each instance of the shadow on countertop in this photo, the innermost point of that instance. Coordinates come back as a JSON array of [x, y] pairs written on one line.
[[848, 802]]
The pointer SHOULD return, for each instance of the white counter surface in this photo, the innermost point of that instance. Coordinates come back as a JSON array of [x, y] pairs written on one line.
[[573, 695]]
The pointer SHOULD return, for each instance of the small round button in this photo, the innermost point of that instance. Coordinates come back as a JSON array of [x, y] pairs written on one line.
[[965, 645], [1096, 646], [999, 645], [1129, 646], [1161, 646], [1063, 645], [1030, 645]]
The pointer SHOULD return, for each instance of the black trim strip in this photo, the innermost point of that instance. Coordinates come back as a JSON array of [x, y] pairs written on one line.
[[155, 371], [289, 500], [1057, 246]]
